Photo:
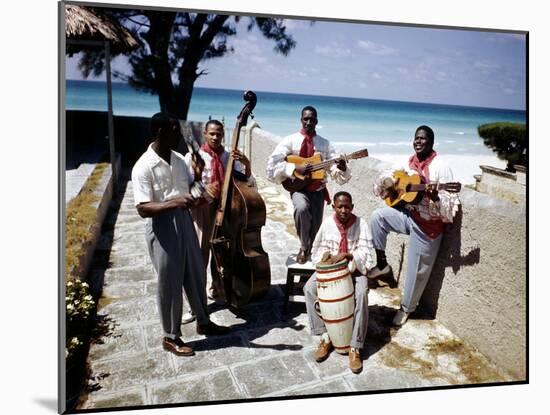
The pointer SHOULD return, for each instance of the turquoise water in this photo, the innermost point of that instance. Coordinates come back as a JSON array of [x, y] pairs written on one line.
[[350, 123]]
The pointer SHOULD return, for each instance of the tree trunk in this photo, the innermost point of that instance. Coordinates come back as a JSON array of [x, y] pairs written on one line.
[[158, 38], [188, 76]]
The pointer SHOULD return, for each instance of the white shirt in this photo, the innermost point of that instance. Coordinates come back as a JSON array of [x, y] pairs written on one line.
[[444, 209], [359, 244], [278, 169], [206, 176], [154, 180]]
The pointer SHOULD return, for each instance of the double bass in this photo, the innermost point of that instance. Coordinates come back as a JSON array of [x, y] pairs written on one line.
[[236, 235]]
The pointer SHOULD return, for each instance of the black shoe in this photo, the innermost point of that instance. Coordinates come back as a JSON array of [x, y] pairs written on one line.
[[177, 346], [301, 258], [212, 329]]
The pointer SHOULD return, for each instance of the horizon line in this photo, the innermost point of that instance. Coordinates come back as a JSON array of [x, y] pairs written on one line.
[[324, 96]]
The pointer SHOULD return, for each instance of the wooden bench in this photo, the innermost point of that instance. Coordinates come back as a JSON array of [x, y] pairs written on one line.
[[294, 269]]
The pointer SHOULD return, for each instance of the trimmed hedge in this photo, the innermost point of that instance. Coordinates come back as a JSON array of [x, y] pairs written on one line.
[[508, 140]]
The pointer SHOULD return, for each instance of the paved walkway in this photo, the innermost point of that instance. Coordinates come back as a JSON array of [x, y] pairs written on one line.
[[268, 353]]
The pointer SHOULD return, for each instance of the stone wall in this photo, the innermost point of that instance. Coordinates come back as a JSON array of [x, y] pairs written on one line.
[[478, 285], [502, 184]]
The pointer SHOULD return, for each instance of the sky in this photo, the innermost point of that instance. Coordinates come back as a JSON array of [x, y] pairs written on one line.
[[400, 63]]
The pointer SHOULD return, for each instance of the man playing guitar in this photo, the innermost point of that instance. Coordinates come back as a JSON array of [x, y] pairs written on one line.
[[424, 221], [308, 202]]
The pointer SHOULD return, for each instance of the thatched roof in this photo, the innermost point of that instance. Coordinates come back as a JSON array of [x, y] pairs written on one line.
[[83, 23]]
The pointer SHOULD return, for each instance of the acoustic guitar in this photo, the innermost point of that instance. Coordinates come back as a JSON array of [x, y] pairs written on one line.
[[315, 169], [410, 189]]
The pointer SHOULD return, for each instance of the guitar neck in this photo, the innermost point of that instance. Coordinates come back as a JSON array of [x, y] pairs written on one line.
[[423, 186], [326, 163]]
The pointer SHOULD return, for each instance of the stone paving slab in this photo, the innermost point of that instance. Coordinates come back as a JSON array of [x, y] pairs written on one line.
[[269, 352], [139, 369], [215, 386], [120, 342], [136, 396], [267, 376], [338, 385]]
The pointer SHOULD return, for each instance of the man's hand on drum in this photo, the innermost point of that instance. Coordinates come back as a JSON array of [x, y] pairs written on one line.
[[342, 256]]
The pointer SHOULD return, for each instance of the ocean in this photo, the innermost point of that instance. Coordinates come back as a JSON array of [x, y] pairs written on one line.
[[384, 127]]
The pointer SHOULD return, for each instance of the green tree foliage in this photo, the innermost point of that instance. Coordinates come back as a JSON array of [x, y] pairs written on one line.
[[508, 140], [173, 44]]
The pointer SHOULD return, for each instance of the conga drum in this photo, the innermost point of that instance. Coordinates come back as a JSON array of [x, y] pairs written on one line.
[[336, 301]]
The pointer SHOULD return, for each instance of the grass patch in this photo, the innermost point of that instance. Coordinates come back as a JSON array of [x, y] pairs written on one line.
[[473, 366], [401, 357], [80, 216]]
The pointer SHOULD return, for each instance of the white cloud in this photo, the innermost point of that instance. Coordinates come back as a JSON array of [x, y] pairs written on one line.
[[292, 24], [441, 76], [485, 66], [376, 75], [509, 91], [333, 50], [376, 48], [362, 85], [247, 50], [257, 59]]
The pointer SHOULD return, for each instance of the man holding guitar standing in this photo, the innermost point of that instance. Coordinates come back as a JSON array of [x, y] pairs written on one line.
[[309, 201], [423, 219]]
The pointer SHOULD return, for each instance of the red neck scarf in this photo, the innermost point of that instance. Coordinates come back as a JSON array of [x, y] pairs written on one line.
[[343, 228], [218, 173], [306, 150], [422, 167]]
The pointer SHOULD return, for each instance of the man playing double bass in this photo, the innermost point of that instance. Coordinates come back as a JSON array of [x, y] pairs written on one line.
[[309, 202], [343, 235], [215, 158]]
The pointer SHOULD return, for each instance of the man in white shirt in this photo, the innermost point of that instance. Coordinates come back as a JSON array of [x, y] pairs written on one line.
[[309, 202], [424, 222], [161, 180], [215, 159], [343, 235]]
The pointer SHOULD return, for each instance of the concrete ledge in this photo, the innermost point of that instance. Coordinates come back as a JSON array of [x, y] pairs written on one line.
[[105, 193], [498, 172]]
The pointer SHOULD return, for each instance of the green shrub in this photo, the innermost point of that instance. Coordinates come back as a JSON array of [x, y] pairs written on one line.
[[80, 308], [508, 140]]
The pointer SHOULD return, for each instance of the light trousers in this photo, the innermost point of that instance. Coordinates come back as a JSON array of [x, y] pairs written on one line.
[[308, 216], [421, 255], [177, 260], [360, 316]]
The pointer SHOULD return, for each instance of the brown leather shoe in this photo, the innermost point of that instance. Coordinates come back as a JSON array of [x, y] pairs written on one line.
[[323, 350], [212, 329], [177, 346], [301, 257], [355, 361]]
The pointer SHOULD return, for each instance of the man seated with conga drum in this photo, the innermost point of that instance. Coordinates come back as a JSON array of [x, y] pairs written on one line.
[[336, 294]]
